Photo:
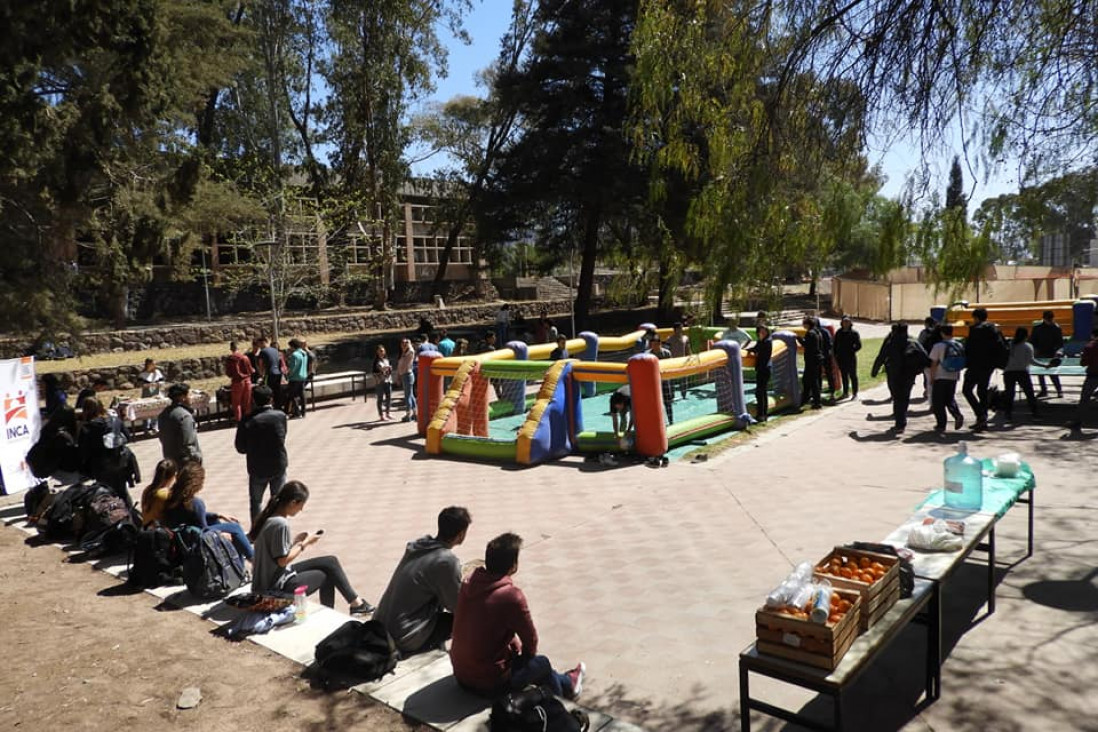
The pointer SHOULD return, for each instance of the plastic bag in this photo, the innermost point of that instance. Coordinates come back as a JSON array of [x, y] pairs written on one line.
[[935, 537]]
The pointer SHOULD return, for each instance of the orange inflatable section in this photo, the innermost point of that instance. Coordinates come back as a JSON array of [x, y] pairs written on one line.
[[648, 417]]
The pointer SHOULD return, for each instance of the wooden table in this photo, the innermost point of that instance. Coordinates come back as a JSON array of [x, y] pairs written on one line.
[[924, 607]]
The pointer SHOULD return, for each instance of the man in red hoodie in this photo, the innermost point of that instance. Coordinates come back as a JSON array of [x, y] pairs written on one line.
[[495, 645]]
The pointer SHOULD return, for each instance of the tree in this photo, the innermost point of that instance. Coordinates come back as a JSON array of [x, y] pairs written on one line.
[[384, 56], [955, 192], [569, 173]]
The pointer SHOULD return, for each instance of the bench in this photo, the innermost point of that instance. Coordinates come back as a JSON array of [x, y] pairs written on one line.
[[337, 384], [931, 569]]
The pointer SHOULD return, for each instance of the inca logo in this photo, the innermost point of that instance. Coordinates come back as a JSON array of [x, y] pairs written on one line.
[[15, 415]]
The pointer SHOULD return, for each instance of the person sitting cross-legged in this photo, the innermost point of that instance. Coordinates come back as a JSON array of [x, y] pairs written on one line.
[[417, 607], [495, 645]]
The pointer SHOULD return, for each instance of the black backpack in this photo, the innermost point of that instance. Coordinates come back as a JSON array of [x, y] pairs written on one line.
[[154, 558], [53, 452], [534, 710], [212, 568], [109, 525], [62, 514], [354, 653]]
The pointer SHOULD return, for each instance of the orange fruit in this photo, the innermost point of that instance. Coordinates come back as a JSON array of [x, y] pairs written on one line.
[[845, 572], [864, 562]]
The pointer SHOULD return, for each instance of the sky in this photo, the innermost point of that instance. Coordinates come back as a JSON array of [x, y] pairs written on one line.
[[489, 20]]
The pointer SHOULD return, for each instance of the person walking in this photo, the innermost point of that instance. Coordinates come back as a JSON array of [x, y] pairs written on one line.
[[945, 371], [178, 430], [812, 344], [383, 372], [984, 349], [297, 374], [903, 359], [1016, 373], [239, 370], [407, 374], [1048, 342], [847, 344], [262, 438], [928, 336]]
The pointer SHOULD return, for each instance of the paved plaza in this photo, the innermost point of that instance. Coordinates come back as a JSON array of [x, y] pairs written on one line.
[[652, 576]]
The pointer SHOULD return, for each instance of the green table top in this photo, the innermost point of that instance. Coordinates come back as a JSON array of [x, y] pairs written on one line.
[[999, 493]]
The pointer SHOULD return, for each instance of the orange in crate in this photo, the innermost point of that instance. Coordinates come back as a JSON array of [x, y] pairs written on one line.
[[788, 633], [875, 577]]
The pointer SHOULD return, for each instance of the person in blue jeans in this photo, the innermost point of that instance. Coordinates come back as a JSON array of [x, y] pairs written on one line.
[[406, 370], [185, 508]]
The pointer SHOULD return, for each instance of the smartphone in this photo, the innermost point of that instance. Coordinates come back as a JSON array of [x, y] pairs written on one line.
[[319, 532]]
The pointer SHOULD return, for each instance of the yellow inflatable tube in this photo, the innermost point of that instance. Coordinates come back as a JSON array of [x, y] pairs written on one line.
[[677, 368], [541, 351]]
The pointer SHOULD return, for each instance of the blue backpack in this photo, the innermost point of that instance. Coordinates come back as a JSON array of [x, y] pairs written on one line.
[[954, 360], [212, 568]]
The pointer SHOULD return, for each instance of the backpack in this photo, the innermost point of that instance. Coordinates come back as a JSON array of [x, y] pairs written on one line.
[[154, 558], [33, 498], [108, 523], [212, 568], [354, 653], [61, 518], [534, 710], [54, 452], [954, 360]]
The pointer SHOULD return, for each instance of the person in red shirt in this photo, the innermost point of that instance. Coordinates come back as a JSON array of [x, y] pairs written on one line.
[[239, 370], [494, 647]]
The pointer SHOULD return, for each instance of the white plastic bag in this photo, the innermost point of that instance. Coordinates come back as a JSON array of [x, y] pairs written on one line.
[[935, 537]]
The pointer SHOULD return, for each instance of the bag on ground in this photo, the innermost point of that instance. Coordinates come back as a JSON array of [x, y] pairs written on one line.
[[33, 499], [534, 710], [212, 568], [154, 558], [355, 653], [109, 524], [65, 516]]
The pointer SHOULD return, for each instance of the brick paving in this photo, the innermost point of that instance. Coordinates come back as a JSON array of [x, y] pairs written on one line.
[[652, 576]]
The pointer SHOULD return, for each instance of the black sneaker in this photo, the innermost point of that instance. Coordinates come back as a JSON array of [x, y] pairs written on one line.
[[959, 422], [364, 608]]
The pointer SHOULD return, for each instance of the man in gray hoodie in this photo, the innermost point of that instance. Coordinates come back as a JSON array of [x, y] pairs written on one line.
[[418, 605]]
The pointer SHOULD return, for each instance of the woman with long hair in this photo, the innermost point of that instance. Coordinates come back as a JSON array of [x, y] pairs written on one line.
[[185, 508], [154, 499], [383, 372], [406, 372], [276, 565], [1016, 373]]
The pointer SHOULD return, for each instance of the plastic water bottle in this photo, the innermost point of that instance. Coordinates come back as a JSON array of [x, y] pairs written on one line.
[[821, 603], [964, 481], [301, 604]]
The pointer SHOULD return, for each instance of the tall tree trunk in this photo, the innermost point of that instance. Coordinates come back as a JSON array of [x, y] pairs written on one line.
[[665, 301], [587, 266]]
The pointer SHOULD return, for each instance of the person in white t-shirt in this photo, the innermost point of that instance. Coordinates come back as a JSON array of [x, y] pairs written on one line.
[[943, 394]]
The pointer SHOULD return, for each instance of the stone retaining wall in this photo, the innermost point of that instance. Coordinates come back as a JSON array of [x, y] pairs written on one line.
[[246, 327], [122, 378]]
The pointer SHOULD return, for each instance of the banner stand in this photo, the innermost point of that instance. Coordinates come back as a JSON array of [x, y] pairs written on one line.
[[21, 423]]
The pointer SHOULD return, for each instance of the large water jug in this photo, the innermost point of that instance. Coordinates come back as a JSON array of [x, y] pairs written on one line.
[[964, 481]]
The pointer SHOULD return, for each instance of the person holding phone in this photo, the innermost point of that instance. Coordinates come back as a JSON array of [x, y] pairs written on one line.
[[276, 566]]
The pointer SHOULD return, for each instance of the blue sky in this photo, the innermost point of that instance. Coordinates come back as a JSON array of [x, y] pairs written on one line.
[[489, 20]]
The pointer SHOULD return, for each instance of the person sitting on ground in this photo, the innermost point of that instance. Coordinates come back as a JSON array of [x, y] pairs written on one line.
[[418, 605], [495, 645], [621, 411], [154, 499], [275, 567], [185, 508], [561, 351]]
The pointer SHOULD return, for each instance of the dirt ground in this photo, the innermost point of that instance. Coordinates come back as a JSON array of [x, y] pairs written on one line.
[[79, 655]]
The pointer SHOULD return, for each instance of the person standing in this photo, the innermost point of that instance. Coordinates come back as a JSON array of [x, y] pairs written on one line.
[[270, 369], [262, 438], [655, 347], [1089, 358], [984, 349], [417, 608], [679, 345], [812, 344], [254, 359], [561, 351], [1048, 341], [239, 370], [763, 348], [928, 336], [297, 373], [56, 397], [1016, 373], [178, 430], [383, 373], [827, 357], [945, 371], [151, 378], [406, 372], [445, 343], [503, 323], [847, 344], [495, 644]]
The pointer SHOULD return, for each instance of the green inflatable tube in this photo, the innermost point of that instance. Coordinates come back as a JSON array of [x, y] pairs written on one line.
[[480, 448], [698, 427]]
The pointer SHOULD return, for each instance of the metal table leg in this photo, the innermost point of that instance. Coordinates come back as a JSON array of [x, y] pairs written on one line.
[[991, 571], [745, 700]]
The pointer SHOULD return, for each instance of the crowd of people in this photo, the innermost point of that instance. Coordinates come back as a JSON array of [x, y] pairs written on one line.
[[945, 363]]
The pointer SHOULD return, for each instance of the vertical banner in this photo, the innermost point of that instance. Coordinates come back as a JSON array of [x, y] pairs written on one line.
[[21, 422]]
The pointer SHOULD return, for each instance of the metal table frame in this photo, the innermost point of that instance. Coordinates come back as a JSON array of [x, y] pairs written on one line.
[[354, 376]]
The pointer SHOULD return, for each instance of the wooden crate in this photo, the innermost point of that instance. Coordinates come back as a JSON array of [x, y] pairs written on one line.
[[806, 642], [877, 597]]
